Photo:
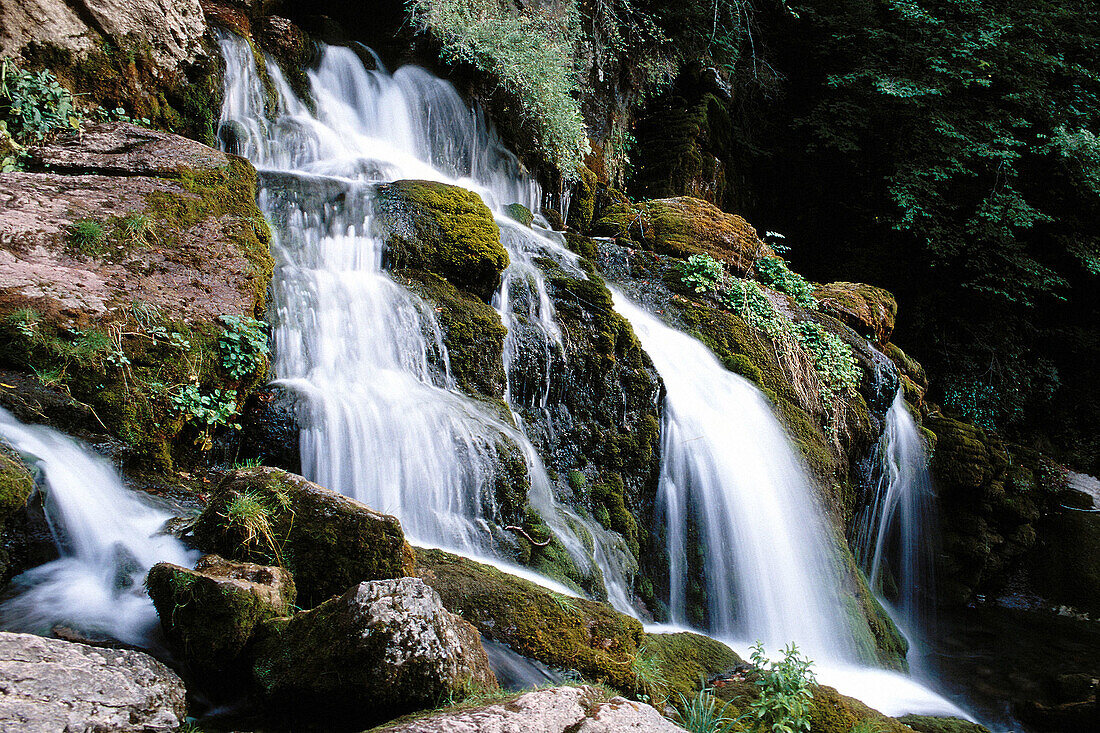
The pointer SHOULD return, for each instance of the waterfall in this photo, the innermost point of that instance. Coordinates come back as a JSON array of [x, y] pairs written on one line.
[[894, 542], [382, 419], [728, 469], [107, 539]]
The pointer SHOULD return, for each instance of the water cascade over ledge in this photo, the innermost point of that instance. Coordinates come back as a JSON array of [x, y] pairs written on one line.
[[107, 539], [382, 418]]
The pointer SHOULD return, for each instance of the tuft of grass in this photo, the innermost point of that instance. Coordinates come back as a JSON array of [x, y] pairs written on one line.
[[253, 516], [649, 676], [705, 713], [87, 237], [138, 229]]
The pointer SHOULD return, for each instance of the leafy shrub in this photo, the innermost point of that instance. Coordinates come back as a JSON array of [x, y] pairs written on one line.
[[243, 346], [206, 411], [773, 271], [833, 360], [785, 695], [703, 274], [34, 104], [531, 54]]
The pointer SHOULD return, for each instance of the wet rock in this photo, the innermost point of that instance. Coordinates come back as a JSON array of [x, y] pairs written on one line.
[[383, 648], [270, 429], [870, 311], [209, 613], [687, 660], [520, 213], [563, 632], [557, 710], [932, 724], [327, 541], [443, 229], [49, 685], [16, 541], [1067, 565]]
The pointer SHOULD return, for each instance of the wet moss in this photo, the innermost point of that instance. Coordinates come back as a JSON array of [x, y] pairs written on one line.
[[564, 632], [442, 229], [520, 213], [930, 724], [582, 202], [16, 486], [688, 660]]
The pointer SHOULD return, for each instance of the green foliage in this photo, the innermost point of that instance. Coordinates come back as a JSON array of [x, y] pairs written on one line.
[[206, 411], [34, 104], [649, 677], [87, 237], [705, 713], [773, 271], [833, 360], [703, 274], [530, 53], [243, 346], [785, 697]]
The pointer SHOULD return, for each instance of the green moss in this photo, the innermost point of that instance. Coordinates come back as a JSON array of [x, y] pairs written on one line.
[[930, 724], [16, 485], [688, 660], [327, 541], [520, 213], [442, 229], [569, 633], [582, 202], [583, 246]]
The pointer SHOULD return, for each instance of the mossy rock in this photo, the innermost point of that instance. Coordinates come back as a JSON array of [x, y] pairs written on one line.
[[16, 486], [685, 226], [444, 229], [472, 332], [870, 311], [830, 711], [209, 613], [932, 724], [569, 633], [688, 660], [519, 213], [582, 202], [962, 462], [327, 541]]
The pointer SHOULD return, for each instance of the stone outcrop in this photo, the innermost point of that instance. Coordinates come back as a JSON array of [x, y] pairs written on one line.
[[556, 710], [870, 311], [383, 648], [49, 685], [442, 229], [327, 541], [209, 613]]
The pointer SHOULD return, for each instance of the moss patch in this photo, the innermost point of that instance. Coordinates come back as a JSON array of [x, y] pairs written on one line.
[[443, 229], [930, 724], [688, 660], [16, 485], [564, 632]]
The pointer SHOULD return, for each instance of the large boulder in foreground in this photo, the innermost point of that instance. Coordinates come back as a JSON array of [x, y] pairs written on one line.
[[442, 229], [327, 541], [685, 226], [557, 710], [563, 632], [869, 311], [209, 613], [383, 648], [49, 685]]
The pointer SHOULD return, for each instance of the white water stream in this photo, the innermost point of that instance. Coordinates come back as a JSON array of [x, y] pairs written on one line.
[[107, 539]]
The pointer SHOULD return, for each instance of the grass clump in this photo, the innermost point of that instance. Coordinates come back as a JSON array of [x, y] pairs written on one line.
[[87, 237], [705, 713], [649, 676]]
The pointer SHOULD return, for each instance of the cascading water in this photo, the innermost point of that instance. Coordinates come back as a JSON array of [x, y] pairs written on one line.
[[383, 420], [894, 544], [107, 539]]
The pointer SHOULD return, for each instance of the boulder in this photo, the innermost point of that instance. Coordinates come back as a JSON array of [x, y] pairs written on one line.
[[383, 648], [933, 724], [327, 541], [685, 226], [688, 660], [557, 710], [49, 685], [209, 613], [870, 311], [443, 229], [16, 485], [563, 632]]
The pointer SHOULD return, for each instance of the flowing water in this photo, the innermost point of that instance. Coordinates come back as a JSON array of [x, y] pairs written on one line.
[[107, 539], [895, 531], [382, 419]]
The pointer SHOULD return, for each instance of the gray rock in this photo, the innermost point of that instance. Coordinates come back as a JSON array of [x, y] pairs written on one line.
[[121, 148], [560, 709], [382, 649], [49, 685]]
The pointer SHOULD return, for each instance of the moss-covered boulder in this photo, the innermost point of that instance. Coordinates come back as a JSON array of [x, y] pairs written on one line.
[[870, 311], [932, 724], [117, 273], [384, 648], [16, 485], [688, 660], [682, 227], [520, 213], [564, 632], [327, 541], [209, 613], [442, 229]]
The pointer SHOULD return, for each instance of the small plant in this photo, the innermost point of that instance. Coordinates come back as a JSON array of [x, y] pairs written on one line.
[[248, 463], [25, 321], [774, 272], [705, 713], [87, 237], [833, 360], [649, 677], [785, 695], [34, 104], [207, 412], [703, 274], [243, 346], [137, 229], [118, 114], [251, 513], [173, 338]]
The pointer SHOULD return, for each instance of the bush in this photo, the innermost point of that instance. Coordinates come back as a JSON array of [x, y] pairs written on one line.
[[773, 271], [243, 346], [34, 104], [785, 695]]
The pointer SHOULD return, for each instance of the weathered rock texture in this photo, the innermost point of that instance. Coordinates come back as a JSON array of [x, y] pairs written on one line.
[[327, 541], [209, 613], [49, 685], [557, 710], [383, 648], [869, 310]]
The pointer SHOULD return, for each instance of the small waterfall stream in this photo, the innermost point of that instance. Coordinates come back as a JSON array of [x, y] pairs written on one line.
[[382, 419], [107, 538], [894, 542]]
